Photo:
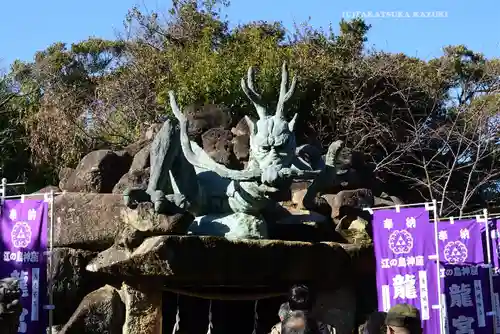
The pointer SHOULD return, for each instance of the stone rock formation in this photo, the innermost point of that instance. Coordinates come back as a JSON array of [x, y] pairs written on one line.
[[10, 305], [221, 261], [127, 233], [94, 221], [98, 172], [206, 117], [101, 311], [71, 280], [137, 178]]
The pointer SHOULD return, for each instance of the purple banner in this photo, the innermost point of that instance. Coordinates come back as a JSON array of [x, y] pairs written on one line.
[[23, 230], [403, 243], [495, 245], [495, 256], [460, 242], [466, 284]]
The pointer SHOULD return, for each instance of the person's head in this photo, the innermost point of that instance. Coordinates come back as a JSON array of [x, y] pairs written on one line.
[[403, 319], [300, 298], [375, 324], [295, 323], [284, 310]]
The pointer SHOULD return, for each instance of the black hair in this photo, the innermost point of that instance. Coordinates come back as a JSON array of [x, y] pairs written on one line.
[[289, 330], [300, 298], [375, 323]]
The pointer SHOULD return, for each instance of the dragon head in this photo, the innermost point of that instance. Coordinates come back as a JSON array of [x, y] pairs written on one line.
[[272, 141]]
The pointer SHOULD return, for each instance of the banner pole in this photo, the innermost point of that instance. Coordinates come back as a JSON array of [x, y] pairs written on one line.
[[51, 243], [438, 267], [4, 188], [396, 206], [490, 270]]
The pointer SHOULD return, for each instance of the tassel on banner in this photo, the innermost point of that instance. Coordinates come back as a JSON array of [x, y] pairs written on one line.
[[210, 326], [255, 317], [177, 318]]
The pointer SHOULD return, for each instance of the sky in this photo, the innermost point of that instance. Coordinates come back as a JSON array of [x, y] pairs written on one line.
[[27, 26]]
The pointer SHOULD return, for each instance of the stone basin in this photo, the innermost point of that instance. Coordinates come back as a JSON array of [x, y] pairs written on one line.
[[210, 267], [200, 266]]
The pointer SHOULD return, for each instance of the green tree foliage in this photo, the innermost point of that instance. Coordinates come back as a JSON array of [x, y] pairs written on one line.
[[60, 96], [15, 155], [425, 128]]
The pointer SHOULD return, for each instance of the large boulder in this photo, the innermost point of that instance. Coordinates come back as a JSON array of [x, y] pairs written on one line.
[[87, 221], [203, 118], [64, 175], [100, 312], [71, 281], [144, 140], [93, 221], [141, 159], [131, 150], [241, 128], [143, 305], [98, 172], [138, 178], [216, 139], [217, 143]]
